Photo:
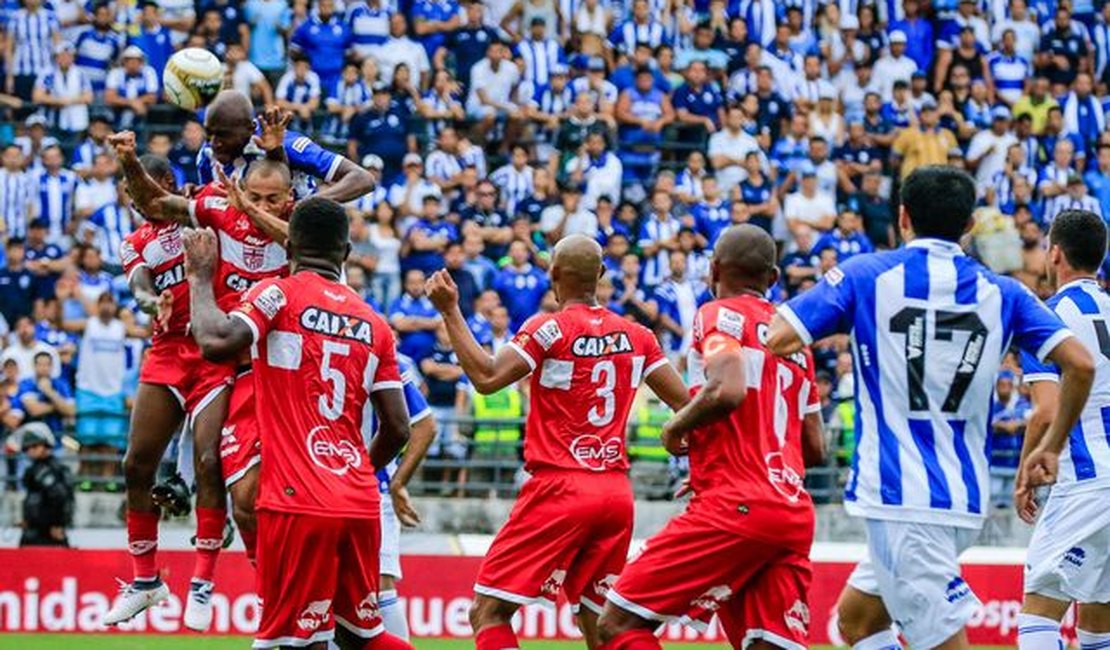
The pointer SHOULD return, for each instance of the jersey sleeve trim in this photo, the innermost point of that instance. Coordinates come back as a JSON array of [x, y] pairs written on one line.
[[812, 408], [1048, 346], [138, 265], [386, 385], [193, 213], [334, 168], [250, 323], [659, 363], [422, 415], [1034, 377], [799, 327], [527, 357]]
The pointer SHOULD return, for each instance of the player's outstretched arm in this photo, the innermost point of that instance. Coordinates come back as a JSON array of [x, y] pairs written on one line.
[[421, 435], [813, 440], [393, 430], [1046, 398], [351, 182], [1077, 372], [150, 199], [724, 389], [218, 335], [488, 373], [782, 338]]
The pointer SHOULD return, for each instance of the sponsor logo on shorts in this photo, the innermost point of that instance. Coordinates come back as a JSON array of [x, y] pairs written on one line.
[[319, 320], [784, 478], [368, 608], [1075, 556], [797, 617], [270, 300], [600, 346], [315, 615], [711, 600], [594, 453], [548, 334], [730, 322], [336, 456], [554, 583], [957, 590], [602, 587]]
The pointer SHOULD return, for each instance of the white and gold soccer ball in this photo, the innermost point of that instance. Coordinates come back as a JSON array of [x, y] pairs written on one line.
[[192, 78]]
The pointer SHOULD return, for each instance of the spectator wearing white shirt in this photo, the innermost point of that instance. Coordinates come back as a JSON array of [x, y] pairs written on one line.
[[1026, 30], [179, 16], [401, 49], [99, 189], [132, 88], [66, 92], [569, 217], [601, 170], [1076, 198], [25, 347], [988, 149], [492, 81], [407, 195], [728, 148], [809, 207], [245, 75], [894, 66]]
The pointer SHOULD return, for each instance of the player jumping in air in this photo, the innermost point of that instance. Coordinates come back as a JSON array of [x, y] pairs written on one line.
[[324, 357], [229, 452], [741, 549], [172, 387], [572, 524], [1069, 555], [929, 327]]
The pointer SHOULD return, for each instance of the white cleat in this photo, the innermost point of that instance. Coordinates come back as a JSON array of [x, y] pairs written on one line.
[[134, 599], [198, 606]]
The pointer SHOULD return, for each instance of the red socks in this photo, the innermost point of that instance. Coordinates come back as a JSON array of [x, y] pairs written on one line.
[[210, 539], [633, 640], [386, 641], [497, 637], [142, 541]]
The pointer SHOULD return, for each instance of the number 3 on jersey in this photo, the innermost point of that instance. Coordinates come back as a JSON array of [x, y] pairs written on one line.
[[331, 407], [604, 373]]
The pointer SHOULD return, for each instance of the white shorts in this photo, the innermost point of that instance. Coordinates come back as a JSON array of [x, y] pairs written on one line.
[[1069, 555], [914, 568], [390, 553]]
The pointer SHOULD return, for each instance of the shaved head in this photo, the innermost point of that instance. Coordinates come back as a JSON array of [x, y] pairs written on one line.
[[229, 121], [576, 266], [744, 258], [230, 106]]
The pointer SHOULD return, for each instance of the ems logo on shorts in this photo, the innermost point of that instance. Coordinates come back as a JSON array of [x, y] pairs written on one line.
[[548, 334], [797, 617], [368, 608], [711, 600], [315, 615], [554, 582], [957, 590], [1075, 557]]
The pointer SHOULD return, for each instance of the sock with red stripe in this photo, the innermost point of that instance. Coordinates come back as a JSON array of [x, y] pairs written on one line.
[[210, 539], [142, 542], [639, 639], [497, 637], [386, 641]]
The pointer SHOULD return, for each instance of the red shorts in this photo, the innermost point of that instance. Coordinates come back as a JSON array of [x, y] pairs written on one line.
[[691, 570], [240, 442], [175, 362], [569, 530], [314, 572]]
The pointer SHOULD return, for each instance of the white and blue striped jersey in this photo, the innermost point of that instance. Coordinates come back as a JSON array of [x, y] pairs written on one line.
[[111, 224], [418, 410], [515, 185], [55, 194], [1085, 460], [33, 36], [96, 52], [307, 160], [929, 327], [1009, 73], [17, 196], [539, 57]]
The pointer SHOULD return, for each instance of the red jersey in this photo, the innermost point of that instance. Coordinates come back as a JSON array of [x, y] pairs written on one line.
[[321, 351], [247, 254], [749, 466], [156, 245], [587, 363]]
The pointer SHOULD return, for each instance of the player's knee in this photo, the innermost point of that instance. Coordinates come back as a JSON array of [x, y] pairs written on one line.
[[242, 510], [854, 625], [613, 620], [485, 611], [207, 463], [138, 472]]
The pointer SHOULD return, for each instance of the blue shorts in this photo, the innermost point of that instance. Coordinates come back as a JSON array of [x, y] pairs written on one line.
[[101, 420]]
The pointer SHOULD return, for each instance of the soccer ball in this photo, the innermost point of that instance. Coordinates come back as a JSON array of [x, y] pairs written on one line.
[[192, 78]]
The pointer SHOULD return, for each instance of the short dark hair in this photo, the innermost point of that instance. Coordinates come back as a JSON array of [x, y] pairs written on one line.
[[39, 355], [319, 225], [1081, 236], [939, 200], [156, 166]]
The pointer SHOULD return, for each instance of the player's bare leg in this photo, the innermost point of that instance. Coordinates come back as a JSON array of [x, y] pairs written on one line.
[[157, 415], [620, 629], [347, 640], [491, 619], [863, 621], [587, 622], [211, 510], [243, 493]]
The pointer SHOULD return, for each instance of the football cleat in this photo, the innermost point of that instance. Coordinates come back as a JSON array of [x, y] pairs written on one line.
[[134, 599]]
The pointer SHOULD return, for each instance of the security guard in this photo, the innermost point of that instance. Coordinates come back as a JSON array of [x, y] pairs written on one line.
[[48, 508]]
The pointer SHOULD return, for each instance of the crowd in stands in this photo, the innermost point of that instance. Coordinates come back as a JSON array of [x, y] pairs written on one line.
[[498, 127]]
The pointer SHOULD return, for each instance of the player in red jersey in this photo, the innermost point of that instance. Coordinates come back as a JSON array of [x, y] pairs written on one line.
[[741, 549], [171, 388], [572, 524], [229, 454], [324, 356]]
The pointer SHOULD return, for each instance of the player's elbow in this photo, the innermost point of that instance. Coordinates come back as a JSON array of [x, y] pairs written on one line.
[[214, 349], [725, 395], [486, 385], [359, 182]]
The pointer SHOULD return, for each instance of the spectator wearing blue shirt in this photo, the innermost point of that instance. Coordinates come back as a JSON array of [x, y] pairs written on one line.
[[520, 285], [847, 239], [1009, 414], [642, 112], [454, 261], [432, 21], [324, 39], [268, 20], [758, 204], [414, 318], [1083, 114], [713, 213], [624, 76], [856, 157], [481, 321], [898, 112], [17, 283], [698, 102], [44, 398], [1058, 39], [427, 240], [45, 261], [920, 43], [1098, 180], [468, 44], [382, 130], [153, 38], [98, 47]]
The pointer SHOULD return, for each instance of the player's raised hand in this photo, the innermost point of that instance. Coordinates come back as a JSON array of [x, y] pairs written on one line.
[[402, 505], [200, 253], [683, 489], [442, 291], [123, 142], [234, 192], [272, 124]]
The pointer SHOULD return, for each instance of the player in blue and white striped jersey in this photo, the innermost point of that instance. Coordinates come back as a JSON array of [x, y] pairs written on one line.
[[1069, 555], [929, 327]]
